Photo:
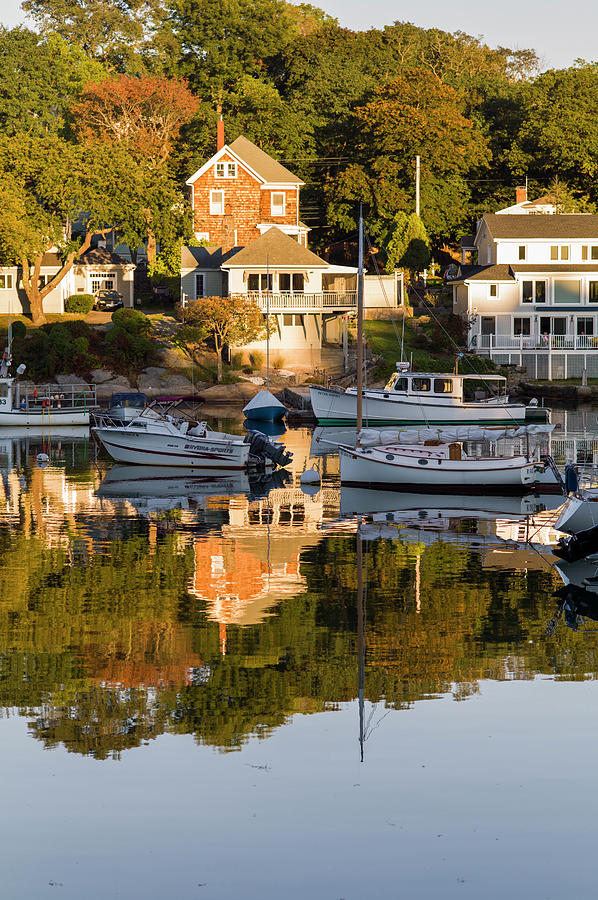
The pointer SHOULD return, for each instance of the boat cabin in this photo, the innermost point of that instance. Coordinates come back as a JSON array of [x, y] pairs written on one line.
[[470, 388]]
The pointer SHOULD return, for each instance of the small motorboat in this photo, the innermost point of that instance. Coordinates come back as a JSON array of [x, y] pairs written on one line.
[[163, 435], [265, 407], [124, 407]]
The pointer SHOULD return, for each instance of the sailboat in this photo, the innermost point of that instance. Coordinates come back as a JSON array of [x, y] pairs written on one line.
[[265, 407], [432, 465]]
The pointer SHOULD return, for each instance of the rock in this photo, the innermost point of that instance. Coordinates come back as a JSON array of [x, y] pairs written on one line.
[[230, 393], [155, 371], [70, 379], [177, 384], [105, 390], [99, 376], [253, 379]]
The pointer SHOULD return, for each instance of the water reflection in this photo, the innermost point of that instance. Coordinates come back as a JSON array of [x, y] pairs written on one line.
[[139, 602]]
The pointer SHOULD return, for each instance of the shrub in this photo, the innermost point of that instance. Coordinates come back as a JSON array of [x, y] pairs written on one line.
[[129, 349], [278, 362], [257, 359], [131, 320], [19, 330], [79, 303], [236, 361]]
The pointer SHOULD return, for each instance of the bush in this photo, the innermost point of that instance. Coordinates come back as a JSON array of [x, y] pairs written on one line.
[[79, 303], [277, 362], [257, 359], [236, 361], [129, 349], [131, 320], [19, 330]]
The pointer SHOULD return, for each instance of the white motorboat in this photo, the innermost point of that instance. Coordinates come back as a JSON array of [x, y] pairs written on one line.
[[435, 467], [410, 508], [54, 405], [160, 437], [427, 398], [580, 512], [124, 407]]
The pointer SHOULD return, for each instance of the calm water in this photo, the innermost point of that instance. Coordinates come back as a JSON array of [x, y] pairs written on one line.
[[180, 704]]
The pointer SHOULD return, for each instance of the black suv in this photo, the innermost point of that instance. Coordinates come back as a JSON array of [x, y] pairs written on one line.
[[108, 300]]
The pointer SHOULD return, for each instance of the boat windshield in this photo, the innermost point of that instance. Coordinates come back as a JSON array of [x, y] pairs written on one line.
[[480, 389]]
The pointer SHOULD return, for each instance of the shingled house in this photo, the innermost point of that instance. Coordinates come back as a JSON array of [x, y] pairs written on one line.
[[532, 297], [246, 213]]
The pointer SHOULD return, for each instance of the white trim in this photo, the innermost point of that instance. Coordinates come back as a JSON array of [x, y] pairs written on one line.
[[217, 156], [281, 185]]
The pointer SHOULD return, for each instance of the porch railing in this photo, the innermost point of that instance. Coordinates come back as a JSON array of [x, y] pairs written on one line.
[[297, 302], [534, 342]]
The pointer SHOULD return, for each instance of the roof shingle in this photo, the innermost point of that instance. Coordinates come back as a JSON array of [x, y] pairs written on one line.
[[265, 166], [557, 227], [275, 248]]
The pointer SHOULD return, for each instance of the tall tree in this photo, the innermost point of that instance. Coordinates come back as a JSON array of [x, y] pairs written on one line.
[[47, 185]]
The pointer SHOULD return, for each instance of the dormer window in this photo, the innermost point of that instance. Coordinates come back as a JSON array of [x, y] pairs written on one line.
[[226, 170], [277, 203]]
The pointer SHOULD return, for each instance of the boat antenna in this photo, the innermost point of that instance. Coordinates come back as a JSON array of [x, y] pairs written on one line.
[[360, 330]]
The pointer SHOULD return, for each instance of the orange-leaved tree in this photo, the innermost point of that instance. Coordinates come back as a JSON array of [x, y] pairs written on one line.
[[227, 320]]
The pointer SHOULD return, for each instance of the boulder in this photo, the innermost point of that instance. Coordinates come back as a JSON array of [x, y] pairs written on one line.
[[230, 393], [105, 390], [99, 376], [177, 384], [155, 371], [70, 379]]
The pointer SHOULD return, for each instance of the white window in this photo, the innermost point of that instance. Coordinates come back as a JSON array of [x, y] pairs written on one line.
[[521, 327], [521, 251], [562, 252], [101, 282], [199, 285], [226, 170], [488, 254], [277, 203], [216, 203], [493, 291], [202, 235], [44, 279], [5, 282]]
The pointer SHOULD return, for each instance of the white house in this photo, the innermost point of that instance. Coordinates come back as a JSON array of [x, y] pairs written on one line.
[[532, 298], [97, 269]]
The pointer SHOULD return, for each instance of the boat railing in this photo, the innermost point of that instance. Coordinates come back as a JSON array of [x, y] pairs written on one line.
[[57, 396]]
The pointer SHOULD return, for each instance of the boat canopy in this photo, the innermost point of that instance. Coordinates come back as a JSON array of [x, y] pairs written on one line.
[[371, 437]]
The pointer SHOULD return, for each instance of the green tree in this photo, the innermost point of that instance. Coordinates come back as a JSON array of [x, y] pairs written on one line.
[[409, 245]]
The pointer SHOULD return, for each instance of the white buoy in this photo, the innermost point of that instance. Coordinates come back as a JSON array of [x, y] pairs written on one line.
[[310, 482], [42, 460], [310, 476]]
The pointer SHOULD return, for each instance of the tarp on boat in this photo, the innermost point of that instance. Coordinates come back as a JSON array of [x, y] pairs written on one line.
[[370, 437]]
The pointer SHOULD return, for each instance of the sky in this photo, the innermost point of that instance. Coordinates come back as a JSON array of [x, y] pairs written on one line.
[[559, 34]]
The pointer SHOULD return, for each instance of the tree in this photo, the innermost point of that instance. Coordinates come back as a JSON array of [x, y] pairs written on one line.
[[145, 114], [559, 134], [115, 32], [59, 196], [409, 245], [228, 320], [40, 77]]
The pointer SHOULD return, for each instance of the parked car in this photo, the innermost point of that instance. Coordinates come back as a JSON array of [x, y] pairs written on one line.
[[108, 300]]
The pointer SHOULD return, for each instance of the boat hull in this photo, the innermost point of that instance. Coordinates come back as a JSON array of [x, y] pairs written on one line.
[[125, 445], [265, 407], [579, 513], [515, 475], [53, 418], [335, 408]]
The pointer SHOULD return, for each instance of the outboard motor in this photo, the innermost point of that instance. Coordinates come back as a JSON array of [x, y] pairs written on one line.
[[262, 447], [571, 479]]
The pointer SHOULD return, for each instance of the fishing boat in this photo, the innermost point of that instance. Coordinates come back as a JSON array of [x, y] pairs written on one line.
[[163, 435], [44, 405], [427, 398], [441, 466]]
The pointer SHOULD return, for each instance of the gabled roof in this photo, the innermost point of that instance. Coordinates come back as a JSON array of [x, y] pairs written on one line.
[[101, 256], [266, 167], [210, 257], [263, 167], [557, 227], [274, 248], [500, 272]]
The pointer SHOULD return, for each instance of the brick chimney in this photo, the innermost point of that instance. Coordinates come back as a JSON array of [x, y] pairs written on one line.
[[219, 130], [521, 194]]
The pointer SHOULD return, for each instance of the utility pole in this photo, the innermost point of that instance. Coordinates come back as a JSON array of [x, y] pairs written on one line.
[[417, 186]]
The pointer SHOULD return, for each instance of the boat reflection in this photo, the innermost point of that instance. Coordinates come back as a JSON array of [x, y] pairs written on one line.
[[160, 488]]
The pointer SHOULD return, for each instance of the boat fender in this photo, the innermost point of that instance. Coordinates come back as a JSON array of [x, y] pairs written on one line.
[[310, 476], [42, 460], [571, 479]]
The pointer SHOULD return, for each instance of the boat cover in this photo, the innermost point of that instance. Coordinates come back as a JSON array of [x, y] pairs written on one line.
[[370, 437]]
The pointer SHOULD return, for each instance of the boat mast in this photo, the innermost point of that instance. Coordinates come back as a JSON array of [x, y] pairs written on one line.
[[267, 322], [360, 640], [360, 329]]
